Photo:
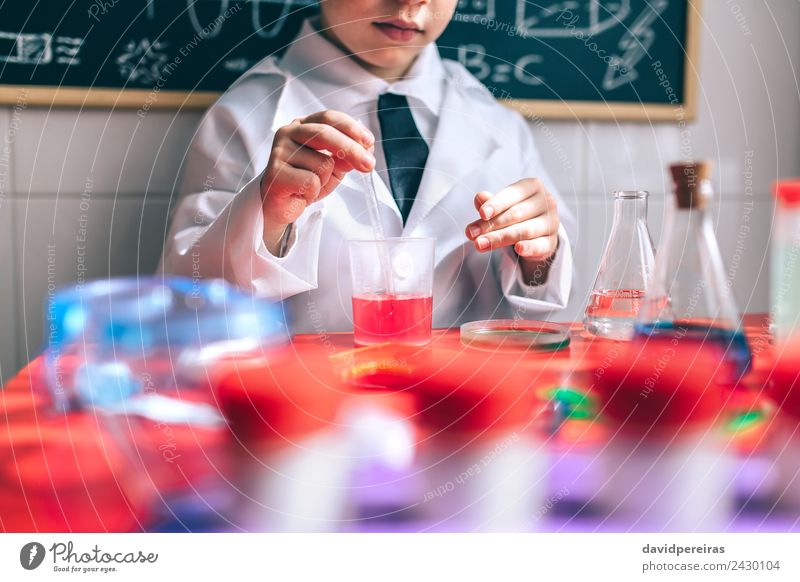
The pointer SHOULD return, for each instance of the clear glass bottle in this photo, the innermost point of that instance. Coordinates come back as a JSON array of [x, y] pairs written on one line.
[[624, 270], [688, 297], [786, 261]]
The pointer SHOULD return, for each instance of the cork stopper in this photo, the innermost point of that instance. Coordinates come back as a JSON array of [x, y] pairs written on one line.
[[690, 181]]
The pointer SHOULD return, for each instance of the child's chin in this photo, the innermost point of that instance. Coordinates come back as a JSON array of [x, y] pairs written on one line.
[[394, 57]]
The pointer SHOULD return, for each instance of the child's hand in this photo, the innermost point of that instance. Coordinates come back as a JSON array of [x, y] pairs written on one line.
[[309, 158], [524, 215]]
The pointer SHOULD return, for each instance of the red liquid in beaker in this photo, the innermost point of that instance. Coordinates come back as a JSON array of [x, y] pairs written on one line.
[[380, 318]]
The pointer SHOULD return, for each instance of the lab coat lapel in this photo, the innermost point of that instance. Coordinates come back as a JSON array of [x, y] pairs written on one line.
[[461, 147], [466, 157]]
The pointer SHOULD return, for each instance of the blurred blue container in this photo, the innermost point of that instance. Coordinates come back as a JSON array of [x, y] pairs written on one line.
[[110, 341], [140, 353]]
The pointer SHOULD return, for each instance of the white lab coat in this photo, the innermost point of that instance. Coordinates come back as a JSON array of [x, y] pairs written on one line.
[[479, 145]]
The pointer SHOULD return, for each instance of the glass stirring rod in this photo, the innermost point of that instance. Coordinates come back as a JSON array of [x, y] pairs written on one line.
[[377, 230]]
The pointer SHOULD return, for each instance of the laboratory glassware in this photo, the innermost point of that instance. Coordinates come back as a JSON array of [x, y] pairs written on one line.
[[142, 354], [688, 298], [625, 268], [396, 313]]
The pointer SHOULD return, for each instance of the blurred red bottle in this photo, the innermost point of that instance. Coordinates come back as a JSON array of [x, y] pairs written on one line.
[[667, 465]]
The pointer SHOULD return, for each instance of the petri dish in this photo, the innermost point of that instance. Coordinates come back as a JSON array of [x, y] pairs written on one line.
[[517, 334]]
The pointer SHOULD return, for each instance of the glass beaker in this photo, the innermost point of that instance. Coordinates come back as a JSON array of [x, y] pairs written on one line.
[[624, 270], [397, 310], [688, 298]]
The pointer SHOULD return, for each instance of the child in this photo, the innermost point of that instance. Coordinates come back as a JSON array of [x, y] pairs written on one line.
[[271, 191]]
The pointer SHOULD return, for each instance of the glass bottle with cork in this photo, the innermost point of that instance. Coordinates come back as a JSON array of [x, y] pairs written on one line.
[[688, 298]]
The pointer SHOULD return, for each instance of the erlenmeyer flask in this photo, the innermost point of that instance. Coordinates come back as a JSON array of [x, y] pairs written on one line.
[[688, 298], [624, 270]]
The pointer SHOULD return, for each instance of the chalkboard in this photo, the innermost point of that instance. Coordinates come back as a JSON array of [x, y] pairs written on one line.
[[575, 58]]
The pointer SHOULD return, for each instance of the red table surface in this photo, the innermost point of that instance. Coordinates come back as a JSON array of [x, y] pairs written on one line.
[[61, 472]]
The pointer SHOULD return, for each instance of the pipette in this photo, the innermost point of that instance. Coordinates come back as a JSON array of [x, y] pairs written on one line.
[[377, 231]]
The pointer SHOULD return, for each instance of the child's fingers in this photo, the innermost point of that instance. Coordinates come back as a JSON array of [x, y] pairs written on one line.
[[323, 165], [304, 158], [525, 210], [537, 249], [527, 230], [323, 137], [481, 198], [509, 196], [334, 180], [287, 211], [291, 181], [344, 123], [330, 173]]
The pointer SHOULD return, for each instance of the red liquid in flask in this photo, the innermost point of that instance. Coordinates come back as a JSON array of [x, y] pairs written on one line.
[[380, 318], [615, 303], [612, 313]]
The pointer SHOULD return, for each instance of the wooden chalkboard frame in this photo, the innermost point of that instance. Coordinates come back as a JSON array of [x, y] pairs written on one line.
[[544, 109]]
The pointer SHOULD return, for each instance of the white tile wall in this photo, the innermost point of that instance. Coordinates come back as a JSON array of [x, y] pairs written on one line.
[[743, 224], [8, 323], [562, 147], [748, 95], [63, 150], [9, 361], [6, 148], [48, 232], [629, 156]]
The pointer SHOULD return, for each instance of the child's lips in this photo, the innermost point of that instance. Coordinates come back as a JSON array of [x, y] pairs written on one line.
[[398, 30]]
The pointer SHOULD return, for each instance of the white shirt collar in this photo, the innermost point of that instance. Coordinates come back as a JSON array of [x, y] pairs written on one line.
[[341, 83]]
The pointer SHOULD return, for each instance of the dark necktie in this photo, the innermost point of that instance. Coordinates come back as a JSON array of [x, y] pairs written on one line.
[[404, 148]]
